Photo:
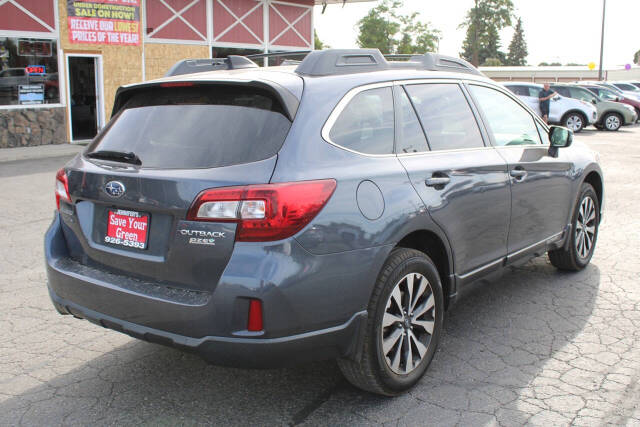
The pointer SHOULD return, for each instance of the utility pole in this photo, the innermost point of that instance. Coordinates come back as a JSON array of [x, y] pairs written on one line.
[[604, 8], [474, 57]]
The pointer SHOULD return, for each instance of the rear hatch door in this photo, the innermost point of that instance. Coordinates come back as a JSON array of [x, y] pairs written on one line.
[[133, 186]]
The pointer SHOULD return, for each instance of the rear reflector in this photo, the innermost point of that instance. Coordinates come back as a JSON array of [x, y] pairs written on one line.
[[264, 212], [254, 323], [62, 188]]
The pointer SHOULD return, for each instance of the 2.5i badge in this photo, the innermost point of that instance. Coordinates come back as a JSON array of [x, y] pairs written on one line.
[[202, 237]]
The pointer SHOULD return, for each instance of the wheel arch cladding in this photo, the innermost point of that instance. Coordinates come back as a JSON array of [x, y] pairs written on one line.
[[595, 180], [430, 244]]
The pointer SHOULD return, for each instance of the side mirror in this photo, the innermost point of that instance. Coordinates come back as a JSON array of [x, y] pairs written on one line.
[[559, 137], [593, 101], [556, 98], [618, 99]]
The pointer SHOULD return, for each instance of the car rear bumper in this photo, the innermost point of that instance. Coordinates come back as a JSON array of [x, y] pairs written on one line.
[[314, 306], [329, 343]]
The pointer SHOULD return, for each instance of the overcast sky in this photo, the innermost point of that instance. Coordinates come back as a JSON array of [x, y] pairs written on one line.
[[555, 30]]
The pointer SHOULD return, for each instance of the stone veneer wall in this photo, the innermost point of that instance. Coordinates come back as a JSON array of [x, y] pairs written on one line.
[[32, 126]]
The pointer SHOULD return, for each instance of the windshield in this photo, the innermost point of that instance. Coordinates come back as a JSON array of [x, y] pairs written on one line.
[[197, 127]]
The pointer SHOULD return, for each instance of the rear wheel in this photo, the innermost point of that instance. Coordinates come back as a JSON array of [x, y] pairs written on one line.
[[403, 326], [612, 121], [578, 251], [574, 121]]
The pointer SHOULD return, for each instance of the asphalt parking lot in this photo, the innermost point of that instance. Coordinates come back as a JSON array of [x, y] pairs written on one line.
[[538, 346]]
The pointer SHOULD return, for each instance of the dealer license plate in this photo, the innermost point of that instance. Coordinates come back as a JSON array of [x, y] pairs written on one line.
[[127, 228]]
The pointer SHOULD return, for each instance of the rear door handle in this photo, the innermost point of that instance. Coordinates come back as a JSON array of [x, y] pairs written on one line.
[[518, 173], [435, 181]]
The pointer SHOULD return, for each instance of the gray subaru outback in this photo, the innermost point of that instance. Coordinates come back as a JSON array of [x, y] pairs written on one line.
[[333, 209]]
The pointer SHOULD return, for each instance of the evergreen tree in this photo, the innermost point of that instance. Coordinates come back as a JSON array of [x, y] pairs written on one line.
[[636, 58], [518, 47], [317, 43]]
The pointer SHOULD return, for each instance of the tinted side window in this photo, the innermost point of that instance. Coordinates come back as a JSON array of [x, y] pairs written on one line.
[[582, 94], [411, 136], [519, 90], [509, 122], [534, 91], [366, 123], [564, 91], [446, 116]]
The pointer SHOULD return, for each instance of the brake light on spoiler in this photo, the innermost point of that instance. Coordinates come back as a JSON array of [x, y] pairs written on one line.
[[264, 212]]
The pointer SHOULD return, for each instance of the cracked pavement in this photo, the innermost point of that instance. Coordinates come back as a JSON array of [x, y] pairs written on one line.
[[538, 346]]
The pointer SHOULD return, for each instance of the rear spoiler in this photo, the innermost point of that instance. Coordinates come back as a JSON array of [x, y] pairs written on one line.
[[288, 100]]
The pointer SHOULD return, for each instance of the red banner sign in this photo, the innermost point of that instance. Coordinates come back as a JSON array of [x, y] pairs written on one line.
[[114, 22]]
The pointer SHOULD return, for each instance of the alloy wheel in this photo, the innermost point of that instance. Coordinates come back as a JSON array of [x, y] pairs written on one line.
[[574, 122], [612, 122], [408, 322], [585, 227]]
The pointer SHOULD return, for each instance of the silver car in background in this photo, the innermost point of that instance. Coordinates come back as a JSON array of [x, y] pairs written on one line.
[[568, 112]]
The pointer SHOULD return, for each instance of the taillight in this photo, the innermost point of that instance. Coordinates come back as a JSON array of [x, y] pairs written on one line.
[[62, 188], [264, 212]]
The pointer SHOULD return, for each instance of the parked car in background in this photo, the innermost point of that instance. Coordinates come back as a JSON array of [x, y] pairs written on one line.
[[571, 113], [622, 93], [611, 95], [611, 115], [265, 217], [636, 84], [627, 87]]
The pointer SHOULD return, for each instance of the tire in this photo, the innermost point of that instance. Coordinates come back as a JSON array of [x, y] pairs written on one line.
[[574, 121], [388, 328], [612, 121], [574, 256]]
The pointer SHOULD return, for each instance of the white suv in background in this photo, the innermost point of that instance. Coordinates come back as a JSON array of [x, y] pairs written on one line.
[[571, 113]]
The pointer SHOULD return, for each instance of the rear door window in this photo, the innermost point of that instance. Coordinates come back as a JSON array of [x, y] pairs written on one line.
[[197, 127], [446, 116], [366, 124]]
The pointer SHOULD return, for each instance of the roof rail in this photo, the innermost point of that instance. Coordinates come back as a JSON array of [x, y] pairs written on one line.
[[347, 61], [189, 66]]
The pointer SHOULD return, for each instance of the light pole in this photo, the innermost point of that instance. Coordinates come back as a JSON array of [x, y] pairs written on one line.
[[604, 8]]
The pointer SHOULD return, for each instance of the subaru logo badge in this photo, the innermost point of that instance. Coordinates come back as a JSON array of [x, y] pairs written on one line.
[[114, 188]]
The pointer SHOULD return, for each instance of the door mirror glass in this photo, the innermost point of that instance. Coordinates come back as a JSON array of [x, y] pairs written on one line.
[[560, 136], [593, 101]]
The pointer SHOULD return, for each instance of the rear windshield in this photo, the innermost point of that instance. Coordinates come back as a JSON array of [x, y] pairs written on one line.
[[197, 127]]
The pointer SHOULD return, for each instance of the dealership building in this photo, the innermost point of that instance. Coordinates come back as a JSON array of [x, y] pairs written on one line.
[[61, 62]]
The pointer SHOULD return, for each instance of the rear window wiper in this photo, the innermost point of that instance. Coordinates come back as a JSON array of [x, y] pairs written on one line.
[[116, 156]]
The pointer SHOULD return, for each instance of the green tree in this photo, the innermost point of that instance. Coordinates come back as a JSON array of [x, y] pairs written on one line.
[[518, 47], [384, 29], [636, 58], [483, 23], [543, 64], [317, 43]]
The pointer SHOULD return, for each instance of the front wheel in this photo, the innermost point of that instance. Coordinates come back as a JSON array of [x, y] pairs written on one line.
[[404, 324], [574, 121], [577, 252]]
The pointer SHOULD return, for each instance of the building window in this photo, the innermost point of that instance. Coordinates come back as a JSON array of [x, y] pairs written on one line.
[[28, 71]]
